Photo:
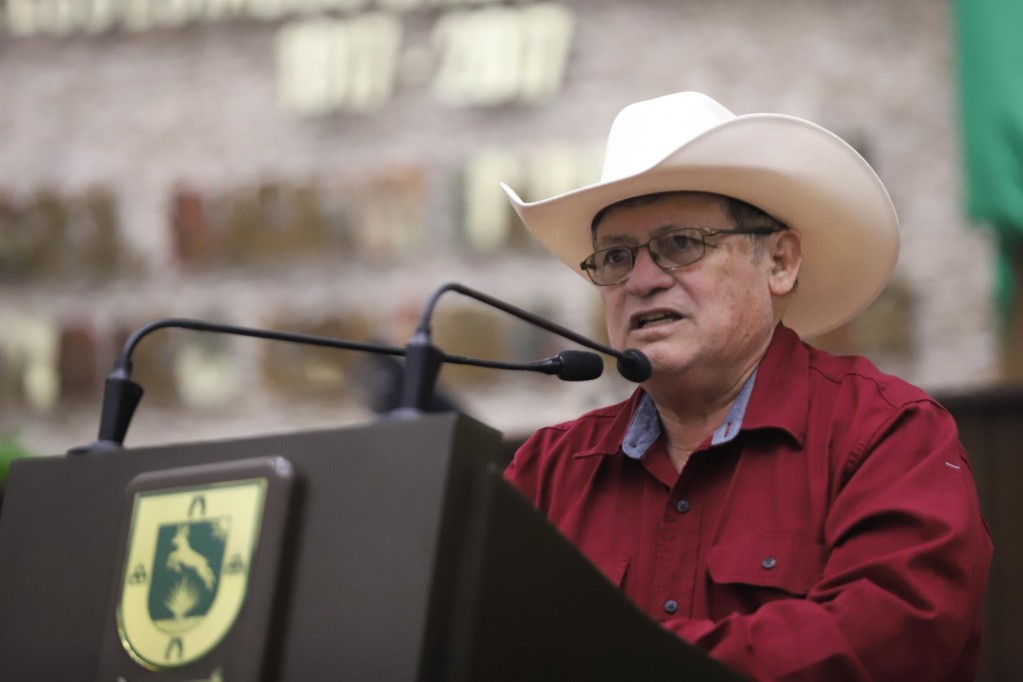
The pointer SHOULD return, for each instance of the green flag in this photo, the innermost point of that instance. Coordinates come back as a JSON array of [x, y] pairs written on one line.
[[990, 54]]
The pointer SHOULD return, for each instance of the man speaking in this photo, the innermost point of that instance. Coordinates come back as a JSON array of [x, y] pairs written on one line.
[[798, 515]]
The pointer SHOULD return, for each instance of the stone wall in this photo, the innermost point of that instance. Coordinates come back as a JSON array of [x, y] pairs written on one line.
[[166, 172]]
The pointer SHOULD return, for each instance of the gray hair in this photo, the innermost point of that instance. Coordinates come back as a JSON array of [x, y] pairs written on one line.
[[744, 214]]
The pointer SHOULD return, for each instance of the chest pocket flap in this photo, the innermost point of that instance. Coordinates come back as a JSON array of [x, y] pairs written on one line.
[[783, 561]]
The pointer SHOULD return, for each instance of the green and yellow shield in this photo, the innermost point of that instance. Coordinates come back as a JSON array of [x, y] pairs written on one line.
[[187, 569]]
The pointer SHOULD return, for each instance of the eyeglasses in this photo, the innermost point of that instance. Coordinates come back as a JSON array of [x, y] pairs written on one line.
[[669, 251]]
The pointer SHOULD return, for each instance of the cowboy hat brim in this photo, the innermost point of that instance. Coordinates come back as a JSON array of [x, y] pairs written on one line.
[[795, 170]]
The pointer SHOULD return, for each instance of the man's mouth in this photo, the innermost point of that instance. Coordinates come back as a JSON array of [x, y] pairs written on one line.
[[654, 319]]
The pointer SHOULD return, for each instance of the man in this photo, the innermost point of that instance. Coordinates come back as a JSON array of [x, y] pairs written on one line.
[[797, 515]]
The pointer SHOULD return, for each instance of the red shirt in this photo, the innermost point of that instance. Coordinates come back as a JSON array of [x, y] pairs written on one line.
[[834, 535]]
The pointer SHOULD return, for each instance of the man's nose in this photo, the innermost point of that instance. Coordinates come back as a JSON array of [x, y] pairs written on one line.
[[646, 274]]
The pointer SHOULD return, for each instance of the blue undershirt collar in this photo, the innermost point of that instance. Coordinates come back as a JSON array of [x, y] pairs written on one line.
[[645, 427]]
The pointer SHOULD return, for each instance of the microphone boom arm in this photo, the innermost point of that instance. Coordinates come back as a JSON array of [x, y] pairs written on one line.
[[424, 320], [424, 358], [121, 395]]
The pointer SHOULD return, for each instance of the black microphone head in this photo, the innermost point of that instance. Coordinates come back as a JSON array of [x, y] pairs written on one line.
[[634, 366], [580, 365]]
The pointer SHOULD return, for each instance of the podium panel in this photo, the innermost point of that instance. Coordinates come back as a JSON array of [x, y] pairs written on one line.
[[398, 553]]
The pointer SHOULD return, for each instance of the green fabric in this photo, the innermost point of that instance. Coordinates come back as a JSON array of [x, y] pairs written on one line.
[[10, 450], [990, 54]]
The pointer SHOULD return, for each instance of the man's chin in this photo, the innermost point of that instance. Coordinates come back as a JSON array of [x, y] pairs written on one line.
[[666, 360]]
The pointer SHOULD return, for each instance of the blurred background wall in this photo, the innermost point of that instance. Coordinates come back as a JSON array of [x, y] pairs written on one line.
[[322, 165]]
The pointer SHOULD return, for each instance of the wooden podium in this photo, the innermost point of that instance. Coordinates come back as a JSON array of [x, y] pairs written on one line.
[[392, 551]]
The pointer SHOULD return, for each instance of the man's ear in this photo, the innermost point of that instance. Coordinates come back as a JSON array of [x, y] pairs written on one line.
[[786, 255]]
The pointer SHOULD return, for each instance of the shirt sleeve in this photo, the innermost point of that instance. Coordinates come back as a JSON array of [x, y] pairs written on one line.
[[524, 472], [907, 561]]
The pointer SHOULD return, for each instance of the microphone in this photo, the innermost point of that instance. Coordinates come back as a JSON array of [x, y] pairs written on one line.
[[568, 365], [572, 365], [121, 395], [424, 358], [634, 365]]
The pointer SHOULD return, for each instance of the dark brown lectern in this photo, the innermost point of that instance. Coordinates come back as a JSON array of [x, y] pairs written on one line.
[[392, 551]]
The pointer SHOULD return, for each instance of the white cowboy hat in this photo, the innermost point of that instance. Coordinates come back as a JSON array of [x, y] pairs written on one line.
[[800, 173]]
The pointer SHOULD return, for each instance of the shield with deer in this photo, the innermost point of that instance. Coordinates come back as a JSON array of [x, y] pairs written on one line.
[[186, 570]]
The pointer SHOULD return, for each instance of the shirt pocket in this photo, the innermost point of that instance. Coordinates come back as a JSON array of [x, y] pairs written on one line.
[[789, 563], [613, 567]]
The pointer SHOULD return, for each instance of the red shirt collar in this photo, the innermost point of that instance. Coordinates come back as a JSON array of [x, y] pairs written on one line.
[[779, 400], [781, 394]]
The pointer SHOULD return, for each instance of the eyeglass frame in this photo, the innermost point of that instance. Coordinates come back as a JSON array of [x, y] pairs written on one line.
[[589, 264]]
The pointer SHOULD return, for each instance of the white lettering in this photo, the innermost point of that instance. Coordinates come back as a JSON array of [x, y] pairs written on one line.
[[266, 10], [303, 58], [374, 41], [223, 9], [497, 55], [345, 5], [58, 16], [303, 7], [475, 47], [61, 17], [326, 65], [399, 5], [458, 3], [318, 6], [138, 15], [103, 15], [487, 57], [547, 30], [176, 13], [21, 17]]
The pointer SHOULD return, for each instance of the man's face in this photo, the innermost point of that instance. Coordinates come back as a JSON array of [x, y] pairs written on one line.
[[716, 314]]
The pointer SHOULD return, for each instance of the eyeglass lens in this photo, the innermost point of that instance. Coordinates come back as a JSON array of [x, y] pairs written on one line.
[[673, 249]]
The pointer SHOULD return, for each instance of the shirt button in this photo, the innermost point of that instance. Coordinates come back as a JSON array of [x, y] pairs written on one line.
[[769, 562], [671, 606], [682, 506]]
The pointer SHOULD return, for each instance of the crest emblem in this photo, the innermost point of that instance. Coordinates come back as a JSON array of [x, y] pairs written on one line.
[[186, 569]]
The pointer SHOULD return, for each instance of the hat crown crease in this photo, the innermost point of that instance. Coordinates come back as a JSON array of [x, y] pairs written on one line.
[[645, 133]]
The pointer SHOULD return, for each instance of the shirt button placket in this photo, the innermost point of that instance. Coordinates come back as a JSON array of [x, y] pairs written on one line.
[[671, 605]]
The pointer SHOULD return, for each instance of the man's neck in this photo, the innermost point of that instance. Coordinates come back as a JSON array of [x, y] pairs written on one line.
[[688, 422], [691, 408]]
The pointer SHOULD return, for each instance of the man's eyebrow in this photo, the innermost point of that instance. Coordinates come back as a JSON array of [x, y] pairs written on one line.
[[621, 239], [615, 240]]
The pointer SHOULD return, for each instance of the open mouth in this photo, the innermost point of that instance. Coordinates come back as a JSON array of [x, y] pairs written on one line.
[[654, 319]]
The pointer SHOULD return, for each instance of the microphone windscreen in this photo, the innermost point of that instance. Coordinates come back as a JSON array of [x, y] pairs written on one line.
[[580, 365], [634, 366]]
